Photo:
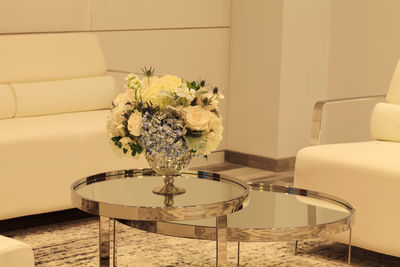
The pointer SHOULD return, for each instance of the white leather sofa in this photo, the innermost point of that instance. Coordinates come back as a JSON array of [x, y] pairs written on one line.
[[14, 253], [366, 174], [54, 100]]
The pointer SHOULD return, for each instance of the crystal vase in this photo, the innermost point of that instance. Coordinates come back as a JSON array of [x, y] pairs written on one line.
[[169, 167], [165, 148]]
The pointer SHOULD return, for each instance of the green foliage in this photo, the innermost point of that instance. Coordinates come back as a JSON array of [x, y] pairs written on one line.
[[193, 85], [194, 133]]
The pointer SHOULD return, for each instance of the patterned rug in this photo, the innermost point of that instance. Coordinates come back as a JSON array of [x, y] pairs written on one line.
[[75, 243]]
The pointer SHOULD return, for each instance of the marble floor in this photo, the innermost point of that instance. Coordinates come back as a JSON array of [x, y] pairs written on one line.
[[251, 174]]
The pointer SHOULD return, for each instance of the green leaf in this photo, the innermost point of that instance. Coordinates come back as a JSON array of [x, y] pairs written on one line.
[[116, 138], [133, 153], [194, 133]]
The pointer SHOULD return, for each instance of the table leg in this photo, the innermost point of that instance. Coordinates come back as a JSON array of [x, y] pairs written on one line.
[[349, 255], [292, 246], [238, 256], [222, 246], [114, 230], [105, 226], [104, 241]]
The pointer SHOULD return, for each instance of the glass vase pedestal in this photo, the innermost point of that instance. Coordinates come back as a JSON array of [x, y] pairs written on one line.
[[168, 167], [169, 188]]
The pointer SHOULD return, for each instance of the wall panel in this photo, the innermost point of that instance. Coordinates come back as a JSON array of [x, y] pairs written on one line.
[[156, 14], [254, 77], [44, 15]]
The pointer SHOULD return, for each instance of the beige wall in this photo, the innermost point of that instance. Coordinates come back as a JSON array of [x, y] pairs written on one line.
[[317, 50], [304, 70], [364, 49], [253, 100]]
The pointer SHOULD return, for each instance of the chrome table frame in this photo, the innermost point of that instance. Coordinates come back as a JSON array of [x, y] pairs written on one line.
[[108, 212], [289, 234]]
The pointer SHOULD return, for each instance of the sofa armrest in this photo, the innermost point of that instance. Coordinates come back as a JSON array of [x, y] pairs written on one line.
[[120, 71], [318, 112]]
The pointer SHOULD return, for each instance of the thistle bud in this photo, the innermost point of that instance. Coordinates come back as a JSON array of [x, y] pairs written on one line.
[[194, 102], [215, 90], [202, 83]]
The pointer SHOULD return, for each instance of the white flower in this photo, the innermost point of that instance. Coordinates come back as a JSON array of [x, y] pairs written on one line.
[[135, 123], [123, 98], [215, 123], [197, 118], [213, 140], [130, 76], [185, 92], [125, 142]]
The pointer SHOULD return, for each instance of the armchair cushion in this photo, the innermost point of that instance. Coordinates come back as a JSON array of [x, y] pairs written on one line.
[[367, 175], [385, 122], [73, 95], [45, 57], [7, 102]]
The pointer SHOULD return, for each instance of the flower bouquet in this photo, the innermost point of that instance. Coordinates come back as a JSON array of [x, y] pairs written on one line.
[[168, 119]]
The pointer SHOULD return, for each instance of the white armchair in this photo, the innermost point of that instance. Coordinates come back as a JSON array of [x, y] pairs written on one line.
[[366, 174]]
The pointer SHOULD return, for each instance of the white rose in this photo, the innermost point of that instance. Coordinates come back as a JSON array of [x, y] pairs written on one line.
[[197, 118], [117, 115], [215, 122], [135, 123], [213, 140], [124, 97]]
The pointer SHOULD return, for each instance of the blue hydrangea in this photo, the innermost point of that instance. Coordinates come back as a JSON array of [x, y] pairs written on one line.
[[163, 133]]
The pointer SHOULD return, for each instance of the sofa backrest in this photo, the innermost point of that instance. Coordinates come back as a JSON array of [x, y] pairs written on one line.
[[46, 57], [385, 118], [52, 73]]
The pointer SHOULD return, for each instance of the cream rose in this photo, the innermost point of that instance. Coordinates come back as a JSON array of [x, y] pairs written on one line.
[[197, 118], [135, 123], [215, 122], [213, 140]]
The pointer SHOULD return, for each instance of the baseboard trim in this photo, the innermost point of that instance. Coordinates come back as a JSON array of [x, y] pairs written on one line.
[[42, 219], [260, 162]]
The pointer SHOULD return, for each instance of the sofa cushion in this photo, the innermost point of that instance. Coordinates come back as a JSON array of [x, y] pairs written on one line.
[[14, 253], [385, 122], [367, 175], [64, 96], [7, 102], [42, 156], [44, 57]]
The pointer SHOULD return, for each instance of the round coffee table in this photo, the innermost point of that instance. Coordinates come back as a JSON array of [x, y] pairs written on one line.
[[127, 195], [274, 213]]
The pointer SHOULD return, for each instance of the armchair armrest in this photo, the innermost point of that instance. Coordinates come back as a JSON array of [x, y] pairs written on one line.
[[318, 111]]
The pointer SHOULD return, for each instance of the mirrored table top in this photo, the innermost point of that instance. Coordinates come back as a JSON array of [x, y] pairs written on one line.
[[127, 194], [274, 213]]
